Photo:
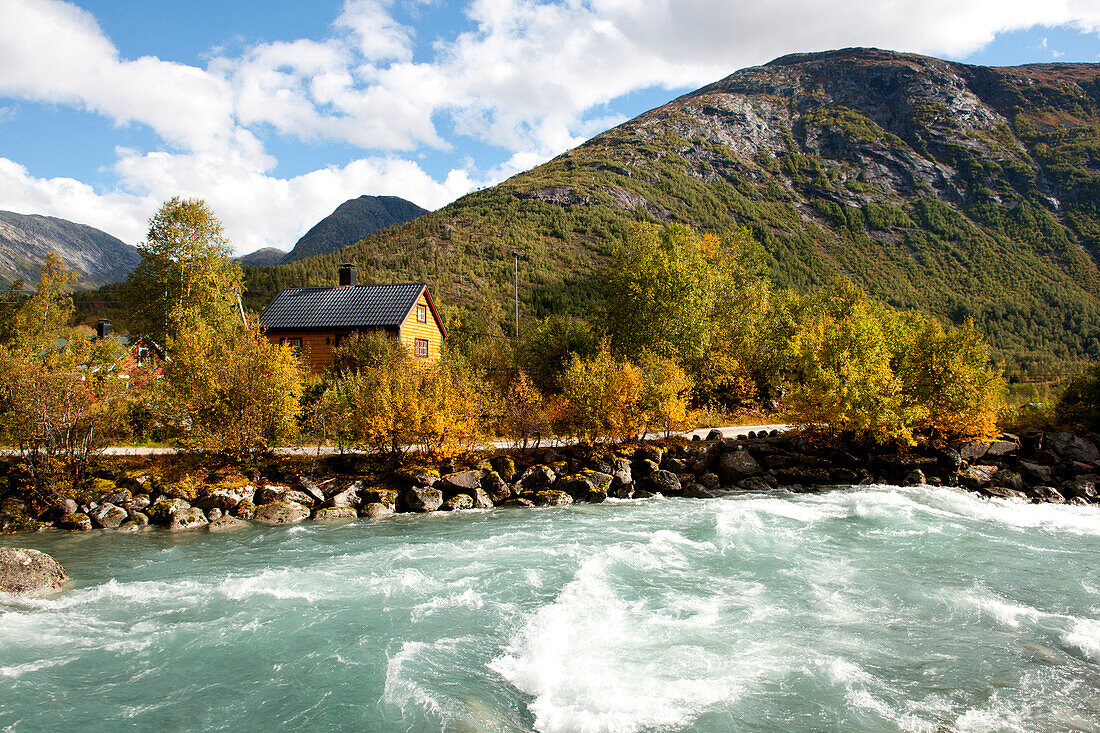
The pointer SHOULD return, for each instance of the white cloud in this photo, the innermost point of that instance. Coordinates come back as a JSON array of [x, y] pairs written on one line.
[[530, 77]]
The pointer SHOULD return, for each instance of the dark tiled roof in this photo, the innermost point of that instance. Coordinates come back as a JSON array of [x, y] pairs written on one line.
[[356, 306]]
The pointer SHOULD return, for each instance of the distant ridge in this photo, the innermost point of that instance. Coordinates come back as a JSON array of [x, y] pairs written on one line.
[[353, 220], [96, 257], [264, 256]]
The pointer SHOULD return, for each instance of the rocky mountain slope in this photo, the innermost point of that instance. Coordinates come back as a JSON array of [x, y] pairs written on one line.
[[353, 220], [951, 189], [95, 256]]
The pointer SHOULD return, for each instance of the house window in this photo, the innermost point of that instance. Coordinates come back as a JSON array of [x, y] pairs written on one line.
[[422, 347], [292, 343], [422, 313]]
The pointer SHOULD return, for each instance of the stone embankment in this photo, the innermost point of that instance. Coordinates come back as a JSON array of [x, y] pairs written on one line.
[[1052, 467]]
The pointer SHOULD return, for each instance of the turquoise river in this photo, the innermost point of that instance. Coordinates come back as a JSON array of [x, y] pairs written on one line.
[[870, 609]]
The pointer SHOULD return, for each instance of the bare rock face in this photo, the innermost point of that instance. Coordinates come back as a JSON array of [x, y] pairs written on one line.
[[281, 512], [29, 573]]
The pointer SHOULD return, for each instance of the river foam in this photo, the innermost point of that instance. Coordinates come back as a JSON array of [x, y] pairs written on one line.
[[867, 609]]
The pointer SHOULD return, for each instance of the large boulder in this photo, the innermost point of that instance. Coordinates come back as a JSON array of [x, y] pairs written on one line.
[[1083, 487], [481, 499], [754, 483], [977, 477], [736, 465], [298, 497], [463, 482], [75, 521], [622, 474], [162, 510], [1072, 447], [334, 513], [225, 523], [457, 502], [550, 497], [590, 487], [1036, 472], [224, 497], [495, 487], [269, 494], [421, 499], [107, 516], [30, 573], [663, 482], [536, 478], [376, 510], [999, 448], [380, 496], [517, 501], [280, 512], [346, 497], [191, 518]]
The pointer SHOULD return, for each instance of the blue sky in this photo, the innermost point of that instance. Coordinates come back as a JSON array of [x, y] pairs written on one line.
[[275, 112]]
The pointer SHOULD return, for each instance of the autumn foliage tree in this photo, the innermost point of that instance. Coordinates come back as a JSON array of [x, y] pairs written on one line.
[[395, 402], [234, 393], [63, 396], [186, 274]]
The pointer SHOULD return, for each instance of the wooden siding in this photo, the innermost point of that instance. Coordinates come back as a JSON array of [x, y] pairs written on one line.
[[316, 354], [411, 330]]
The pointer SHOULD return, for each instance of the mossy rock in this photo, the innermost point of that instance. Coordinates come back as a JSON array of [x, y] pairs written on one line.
[[376, 510], [76, 521], [280, 512], [97, 486], [503, 465], [458, 502], [244, 510], [380, 496], [552, 497], [162, 510], [14, 516]]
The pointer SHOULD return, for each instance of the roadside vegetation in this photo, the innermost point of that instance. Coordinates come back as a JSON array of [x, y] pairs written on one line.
[[693, 328]]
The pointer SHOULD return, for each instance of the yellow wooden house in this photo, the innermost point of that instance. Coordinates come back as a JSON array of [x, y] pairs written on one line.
[[317, 320]]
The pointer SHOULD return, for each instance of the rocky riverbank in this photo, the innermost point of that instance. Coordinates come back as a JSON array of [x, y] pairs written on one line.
[[1039, 466]]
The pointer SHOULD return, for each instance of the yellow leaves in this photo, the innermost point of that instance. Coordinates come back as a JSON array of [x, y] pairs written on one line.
[[238, 394], [867, 370], [605, 398], [396, 402]]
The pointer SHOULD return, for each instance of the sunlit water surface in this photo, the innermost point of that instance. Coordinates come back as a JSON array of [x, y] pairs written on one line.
[[878, 609]]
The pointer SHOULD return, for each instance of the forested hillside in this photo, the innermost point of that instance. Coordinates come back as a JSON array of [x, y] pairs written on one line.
[[954, 190]]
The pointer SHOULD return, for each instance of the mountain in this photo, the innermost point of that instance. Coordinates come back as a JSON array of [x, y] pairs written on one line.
[[96, 257], [353, 220], [263, 257], [956, 190]]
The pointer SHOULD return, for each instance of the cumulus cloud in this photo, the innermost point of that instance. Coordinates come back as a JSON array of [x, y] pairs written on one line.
[[530, 78]]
